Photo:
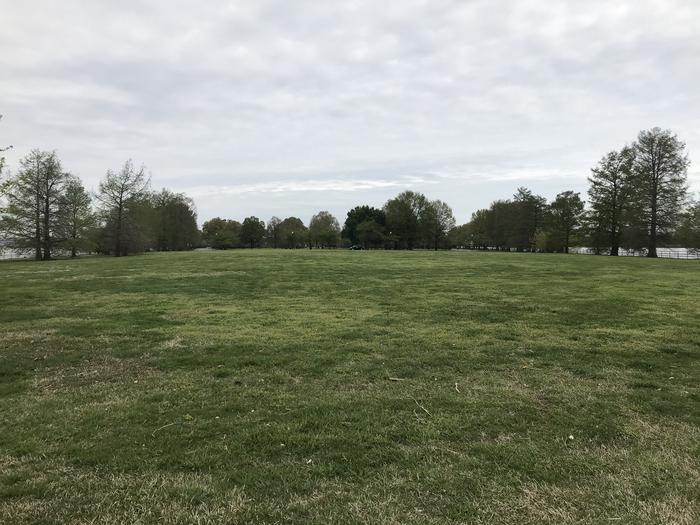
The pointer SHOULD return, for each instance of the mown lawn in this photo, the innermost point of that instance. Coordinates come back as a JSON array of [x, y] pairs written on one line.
[[261, 386]]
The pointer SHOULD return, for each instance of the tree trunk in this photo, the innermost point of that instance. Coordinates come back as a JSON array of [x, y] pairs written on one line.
[[37, 222], [614, 244], [37, 241], [652, 246], [47, 232], [614, 231], [652, 228], [653, 216], [118, 235]]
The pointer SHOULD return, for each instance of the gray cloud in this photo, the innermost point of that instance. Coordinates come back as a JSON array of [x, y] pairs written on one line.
[[266, 107]]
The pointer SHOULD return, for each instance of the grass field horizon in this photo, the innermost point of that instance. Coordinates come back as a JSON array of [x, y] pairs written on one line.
[[313, 386]]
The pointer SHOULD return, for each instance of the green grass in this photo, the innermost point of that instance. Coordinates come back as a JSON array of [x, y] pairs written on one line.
[[350, 387]]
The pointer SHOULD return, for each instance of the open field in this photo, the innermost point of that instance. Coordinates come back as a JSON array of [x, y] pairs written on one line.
[[350, 387]]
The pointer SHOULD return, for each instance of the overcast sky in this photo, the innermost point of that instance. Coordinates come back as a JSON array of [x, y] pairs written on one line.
[[263, 107]]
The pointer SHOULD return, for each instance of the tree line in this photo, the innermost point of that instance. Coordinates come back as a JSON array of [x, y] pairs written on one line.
[[637, 199], [408, 221], [47, 211]]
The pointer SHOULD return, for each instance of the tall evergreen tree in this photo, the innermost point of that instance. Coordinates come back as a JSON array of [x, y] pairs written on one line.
[[30, 218], [252, 231], [76, 218], [610, 193], [528, 218], [477, 229], [120, 194], [688, 232], [52, 182], [564, 216], [175, 221], [21, 216], [324, 230], [660, 173]]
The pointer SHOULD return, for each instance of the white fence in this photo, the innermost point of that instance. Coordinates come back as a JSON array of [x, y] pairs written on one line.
[[665, 253], [9, 255]]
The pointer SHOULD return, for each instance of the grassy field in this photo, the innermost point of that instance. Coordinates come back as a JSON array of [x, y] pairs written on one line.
[[350, 387]]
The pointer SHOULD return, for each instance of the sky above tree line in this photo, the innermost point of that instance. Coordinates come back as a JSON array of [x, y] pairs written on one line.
[[262, 107]]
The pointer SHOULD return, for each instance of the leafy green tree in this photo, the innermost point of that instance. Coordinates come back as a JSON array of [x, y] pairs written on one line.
[[272, 234], [76, 218], [357, 216], [610, 193], [529, 217], [370, 234], [120, 194], [476, 230], [138, 230], [483, 230], [252, 232], [20, 221], [660, 174], [324, 230], [459, 236], [222, 234], [593, 234], [175, 221], [30, 217], [564, 217], [503, 228], [635, 236], [292, 233], [543, 241], [436, 221], [403, 215], [688, 232], [508, 224], [52, 181]]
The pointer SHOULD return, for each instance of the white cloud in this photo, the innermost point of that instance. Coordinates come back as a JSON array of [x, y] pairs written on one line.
[[323, 185]]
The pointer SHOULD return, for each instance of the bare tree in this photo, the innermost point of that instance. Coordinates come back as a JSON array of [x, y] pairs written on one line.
[[117, 192]]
